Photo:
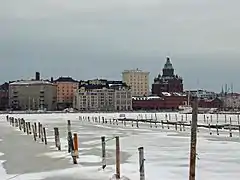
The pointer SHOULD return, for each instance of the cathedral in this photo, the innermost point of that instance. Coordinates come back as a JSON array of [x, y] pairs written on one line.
[[168, 81]]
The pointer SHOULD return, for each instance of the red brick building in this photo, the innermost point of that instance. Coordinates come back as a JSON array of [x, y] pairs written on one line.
[[165, 101], [168, 81], [210, 103]]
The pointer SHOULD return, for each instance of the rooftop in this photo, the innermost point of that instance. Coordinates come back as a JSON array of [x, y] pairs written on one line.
[[29, 82], [65, 79]]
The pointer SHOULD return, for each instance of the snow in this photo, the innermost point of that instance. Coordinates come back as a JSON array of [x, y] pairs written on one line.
[[166, 150]]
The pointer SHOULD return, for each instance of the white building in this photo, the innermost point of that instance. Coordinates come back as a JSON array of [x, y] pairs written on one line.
[[138, 80], [110, 97]]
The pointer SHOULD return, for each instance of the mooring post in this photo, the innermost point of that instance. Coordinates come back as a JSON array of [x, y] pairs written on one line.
[[57, 138], [141, 163], [27, 129], [217, 129], [39, 130], [230, 127], [104, 163], [24, 125], [34, 133], [35, 129], [42, 134], [75, 145], [193, 145], [70, 147], [45, 135], [117, 158], [238, 118]]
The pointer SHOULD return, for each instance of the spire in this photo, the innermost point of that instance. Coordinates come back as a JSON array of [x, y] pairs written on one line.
[[168, 64], [168, 70]]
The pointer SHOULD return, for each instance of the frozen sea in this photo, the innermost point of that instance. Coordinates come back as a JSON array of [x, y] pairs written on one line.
[[166, 150]]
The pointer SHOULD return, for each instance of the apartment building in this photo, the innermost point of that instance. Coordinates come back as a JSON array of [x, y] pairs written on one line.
[[105, 96], [138, 80], [66, 87], [32, 95]]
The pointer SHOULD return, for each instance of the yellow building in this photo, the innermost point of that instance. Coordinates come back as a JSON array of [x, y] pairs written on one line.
[[138, 80]]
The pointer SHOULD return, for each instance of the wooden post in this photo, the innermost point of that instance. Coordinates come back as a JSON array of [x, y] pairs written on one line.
[[225, 118], [209, 128], [39, 130], [16, 122], [104, 163], [35, 129], [70, 142], [155, 120], [238, 118], [176, 126], [117, 158], [168, 125], [217, 129], [42, 134], [24, 125], [27, 129], [230, 127], [193, 145], [20, 124], [162, 124], [45, 135], [204, 118], [141, 163], [57, 138], [75, 144], [217, 118], [211, 118], [34, 133]]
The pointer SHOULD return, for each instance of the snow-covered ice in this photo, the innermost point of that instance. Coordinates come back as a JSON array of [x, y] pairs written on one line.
[[166, 150]]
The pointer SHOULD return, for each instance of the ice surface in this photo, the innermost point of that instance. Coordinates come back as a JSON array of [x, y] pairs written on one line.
[[166, 150]]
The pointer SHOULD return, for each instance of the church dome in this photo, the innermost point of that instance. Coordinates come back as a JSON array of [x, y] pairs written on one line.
[[168, 64]]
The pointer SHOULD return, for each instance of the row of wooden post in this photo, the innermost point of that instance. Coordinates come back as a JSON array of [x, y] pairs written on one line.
[[26, 127], [39, 132]]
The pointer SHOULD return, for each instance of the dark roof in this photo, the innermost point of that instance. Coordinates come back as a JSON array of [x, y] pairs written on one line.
[[65, 79], [4, 86]]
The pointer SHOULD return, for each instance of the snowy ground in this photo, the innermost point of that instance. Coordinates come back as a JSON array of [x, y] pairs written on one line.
[[166, 150]]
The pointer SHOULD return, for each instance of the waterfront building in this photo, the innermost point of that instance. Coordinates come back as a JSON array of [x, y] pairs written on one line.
[[138, 81], [168, 81], [66, 87]]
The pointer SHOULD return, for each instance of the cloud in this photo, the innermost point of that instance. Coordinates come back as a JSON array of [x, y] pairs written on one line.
[[118, 34]]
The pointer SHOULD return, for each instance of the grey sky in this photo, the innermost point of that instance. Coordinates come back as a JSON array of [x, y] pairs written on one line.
[[91, 38]]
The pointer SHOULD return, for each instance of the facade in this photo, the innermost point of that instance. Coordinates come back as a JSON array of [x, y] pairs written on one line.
[[4, 96], [138, 81], [66, 88], [102, 95], [168, 81], [32, 95], [210, 103], [202, 94], [170, 101]]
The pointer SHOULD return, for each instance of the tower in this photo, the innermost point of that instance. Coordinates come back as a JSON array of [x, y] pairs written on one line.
[[168, 70]]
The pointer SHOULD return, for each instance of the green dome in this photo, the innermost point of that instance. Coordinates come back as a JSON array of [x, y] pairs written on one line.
[[168, 64]]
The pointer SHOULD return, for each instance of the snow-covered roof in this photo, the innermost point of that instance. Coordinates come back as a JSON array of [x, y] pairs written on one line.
[[30, 82], [146, 98], [166, 94]]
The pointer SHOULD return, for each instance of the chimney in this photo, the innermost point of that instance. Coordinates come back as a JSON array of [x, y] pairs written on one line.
[[37, 78]]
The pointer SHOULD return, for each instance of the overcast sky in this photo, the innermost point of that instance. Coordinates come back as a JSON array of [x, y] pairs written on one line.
[[91, 38]]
